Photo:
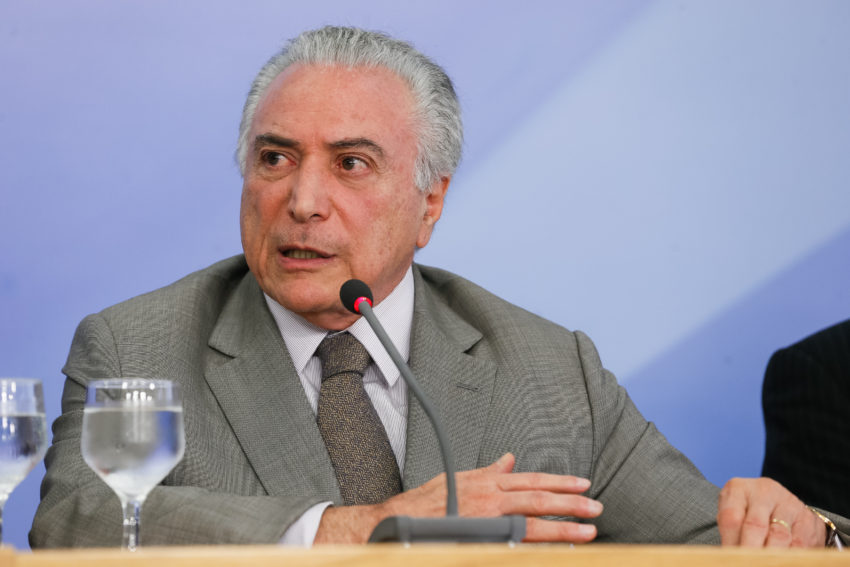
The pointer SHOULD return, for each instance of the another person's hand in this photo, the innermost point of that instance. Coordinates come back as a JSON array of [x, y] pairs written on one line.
[[760, 512], [486, 492]]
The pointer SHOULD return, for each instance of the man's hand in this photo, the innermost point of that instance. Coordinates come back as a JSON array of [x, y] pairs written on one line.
[[487, 492], [760, 512]]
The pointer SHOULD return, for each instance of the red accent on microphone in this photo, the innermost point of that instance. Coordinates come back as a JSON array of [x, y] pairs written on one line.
[[359, 300]]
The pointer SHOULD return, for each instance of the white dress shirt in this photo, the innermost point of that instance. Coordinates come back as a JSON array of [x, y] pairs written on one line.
[[382, 380]]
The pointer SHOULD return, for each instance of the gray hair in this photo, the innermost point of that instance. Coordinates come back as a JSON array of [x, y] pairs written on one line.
[[440, 135]]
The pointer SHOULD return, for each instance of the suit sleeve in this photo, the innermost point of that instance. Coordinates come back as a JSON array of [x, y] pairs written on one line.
[[78, 509], [651, 492], [806, 450]]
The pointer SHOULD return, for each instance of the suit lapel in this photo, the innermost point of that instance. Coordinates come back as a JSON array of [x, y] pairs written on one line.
[[458, 384], [260, 394]]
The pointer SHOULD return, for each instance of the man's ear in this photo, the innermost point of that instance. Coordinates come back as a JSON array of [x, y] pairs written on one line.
[[433, 209]]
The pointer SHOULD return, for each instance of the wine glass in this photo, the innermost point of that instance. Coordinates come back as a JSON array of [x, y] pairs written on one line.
[[23, 433], [132, 438]]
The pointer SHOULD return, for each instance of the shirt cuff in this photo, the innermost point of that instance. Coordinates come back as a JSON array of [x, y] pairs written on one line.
[[302, 532]]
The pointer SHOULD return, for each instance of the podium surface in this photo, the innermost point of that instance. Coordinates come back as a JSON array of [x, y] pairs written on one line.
[[427, 555]]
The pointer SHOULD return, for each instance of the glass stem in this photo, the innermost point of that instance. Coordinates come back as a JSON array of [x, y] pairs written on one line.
[[3, 498], [132, 514]]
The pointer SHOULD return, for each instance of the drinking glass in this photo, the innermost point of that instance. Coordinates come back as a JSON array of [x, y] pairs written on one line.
[[132, 438], [23, 433]]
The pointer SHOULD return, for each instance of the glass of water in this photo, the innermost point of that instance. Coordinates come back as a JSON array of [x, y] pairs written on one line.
[[132, 438], [23, 433]]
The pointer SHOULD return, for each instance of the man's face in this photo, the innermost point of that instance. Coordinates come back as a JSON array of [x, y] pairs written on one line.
[[328, 193]]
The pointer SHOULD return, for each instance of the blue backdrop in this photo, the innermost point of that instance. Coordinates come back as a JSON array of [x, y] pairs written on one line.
[[670, 177]]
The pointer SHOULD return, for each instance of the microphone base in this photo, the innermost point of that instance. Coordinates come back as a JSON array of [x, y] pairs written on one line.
[[455, 529]]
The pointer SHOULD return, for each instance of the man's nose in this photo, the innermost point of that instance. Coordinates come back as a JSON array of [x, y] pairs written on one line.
[[308, 198]]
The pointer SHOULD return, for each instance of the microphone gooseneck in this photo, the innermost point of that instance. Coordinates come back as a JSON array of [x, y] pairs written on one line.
[[357, 298]]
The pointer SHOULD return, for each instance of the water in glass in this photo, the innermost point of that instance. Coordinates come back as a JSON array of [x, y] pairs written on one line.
[[23, 433], [132, 437]]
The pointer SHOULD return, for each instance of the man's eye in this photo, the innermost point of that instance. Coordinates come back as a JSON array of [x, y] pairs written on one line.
[[273, 158], [351, 163]]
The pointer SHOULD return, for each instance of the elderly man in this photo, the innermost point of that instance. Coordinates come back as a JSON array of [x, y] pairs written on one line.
[[347, 145]]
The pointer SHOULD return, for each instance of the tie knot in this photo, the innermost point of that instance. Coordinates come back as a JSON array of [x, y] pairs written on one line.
[[342, 353]]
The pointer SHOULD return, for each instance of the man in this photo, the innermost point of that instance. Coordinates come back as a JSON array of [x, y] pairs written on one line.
[[805, 397], [347, 145]]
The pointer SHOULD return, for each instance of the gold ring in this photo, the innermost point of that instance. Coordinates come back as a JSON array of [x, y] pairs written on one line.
[[780, 522]]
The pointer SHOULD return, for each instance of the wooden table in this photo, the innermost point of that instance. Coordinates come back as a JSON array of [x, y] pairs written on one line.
[[425, 555]]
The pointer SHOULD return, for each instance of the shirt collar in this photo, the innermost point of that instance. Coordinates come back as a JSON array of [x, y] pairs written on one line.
[[395, 313]]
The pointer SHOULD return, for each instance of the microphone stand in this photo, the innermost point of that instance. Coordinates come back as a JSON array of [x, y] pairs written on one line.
[[452, 527]]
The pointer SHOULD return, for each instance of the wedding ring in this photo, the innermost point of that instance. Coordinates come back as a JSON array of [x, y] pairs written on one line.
[[780, 522]]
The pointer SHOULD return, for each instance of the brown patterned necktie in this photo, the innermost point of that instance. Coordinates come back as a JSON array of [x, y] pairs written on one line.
[[357, 443]]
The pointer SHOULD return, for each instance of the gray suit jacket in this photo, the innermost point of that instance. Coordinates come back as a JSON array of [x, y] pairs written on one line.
[[502, 378]]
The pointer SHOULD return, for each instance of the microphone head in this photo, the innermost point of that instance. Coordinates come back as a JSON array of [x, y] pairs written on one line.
[[352, 292]]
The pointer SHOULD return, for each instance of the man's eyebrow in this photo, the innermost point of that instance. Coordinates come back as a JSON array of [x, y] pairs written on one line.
[[350, 143], [273, 140]]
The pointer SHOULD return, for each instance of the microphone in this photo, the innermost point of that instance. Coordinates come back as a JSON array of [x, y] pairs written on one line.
[[357, 298]]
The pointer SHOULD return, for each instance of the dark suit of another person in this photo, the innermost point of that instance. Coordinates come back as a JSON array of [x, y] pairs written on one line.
[[806, 395]]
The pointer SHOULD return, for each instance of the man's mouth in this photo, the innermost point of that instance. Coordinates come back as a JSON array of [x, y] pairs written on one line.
[[298, 254]]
